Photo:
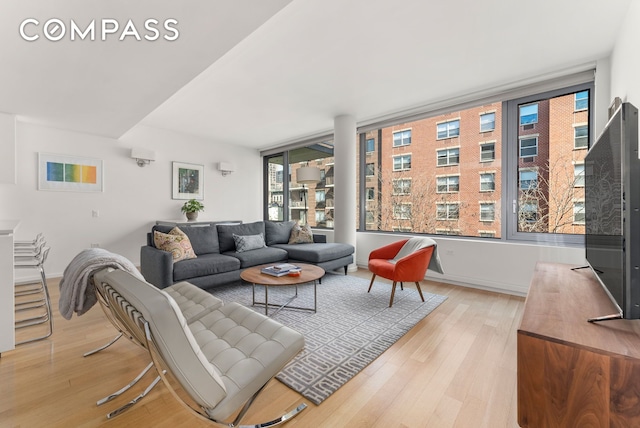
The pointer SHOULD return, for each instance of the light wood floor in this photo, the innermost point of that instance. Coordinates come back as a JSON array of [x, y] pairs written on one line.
[[456, 368]]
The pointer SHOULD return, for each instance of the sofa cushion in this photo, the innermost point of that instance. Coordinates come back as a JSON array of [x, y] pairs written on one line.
[[301, 234], [316, 253], [259, 257], [278, 232], [204, 239], [206, 264], [226, 231], [248, 242], [176, 243]]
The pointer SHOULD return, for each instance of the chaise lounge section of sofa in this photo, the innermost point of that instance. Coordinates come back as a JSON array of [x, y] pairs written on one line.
[[218, 261]]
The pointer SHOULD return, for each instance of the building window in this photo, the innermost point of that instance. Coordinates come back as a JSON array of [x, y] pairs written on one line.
[[371, 145], [402, 163], [529, 212], [581, 101], [448, 129], [320, 216], [320, 194], [487, 182], [447, 211], [402, 138], [581, 137], [448, 157], [487, 152], [486, 234], [487, 122], [578, 212], [528, 147], [370, 193], [528, 179], [529, 114], [370, 169], [402, 186], [449, 184], [369, 217], [402, 211], [487, 211], [578, 174]]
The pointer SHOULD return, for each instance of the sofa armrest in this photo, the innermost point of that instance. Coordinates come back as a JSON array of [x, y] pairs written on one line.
[[156, 266], [320, 239]]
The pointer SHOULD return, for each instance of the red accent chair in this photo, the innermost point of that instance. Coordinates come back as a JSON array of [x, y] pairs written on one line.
[[410, 268]]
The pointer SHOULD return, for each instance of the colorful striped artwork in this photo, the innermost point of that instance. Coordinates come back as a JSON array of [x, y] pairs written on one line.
[[70, 173]]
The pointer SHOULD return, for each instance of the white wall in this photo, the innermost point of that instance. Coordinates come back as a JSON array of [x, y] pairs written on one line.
[[133, 197], [625, 61]]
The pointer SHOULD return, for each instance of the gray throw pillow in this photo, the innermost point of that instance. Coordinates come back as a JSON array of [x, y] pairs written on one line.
[[248, 242]]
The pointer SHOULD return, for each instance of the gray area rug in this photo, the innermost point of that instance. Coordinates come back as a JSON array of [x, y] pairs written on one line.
[[350, 329]]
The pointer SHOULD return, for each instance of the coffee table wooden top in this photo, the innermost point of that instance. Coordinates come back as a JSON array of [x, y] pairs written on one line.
[[309, 273]]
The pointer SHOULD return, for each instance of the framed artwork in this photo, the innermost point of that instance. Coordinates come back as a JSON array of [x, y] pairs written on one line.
[[69, 173], [188, 181]]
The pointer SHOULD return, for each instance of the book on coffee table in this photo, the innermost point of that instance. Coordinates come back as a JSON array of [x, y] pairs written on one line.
[[280, 269]]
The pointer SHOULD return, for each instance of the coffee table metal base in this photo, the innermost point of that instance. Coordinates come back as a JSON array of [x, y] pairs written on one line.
[[286, 305]]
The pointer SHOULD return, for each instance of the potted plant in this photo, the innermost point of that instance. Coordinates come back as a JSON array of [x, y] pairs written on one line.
[[191, 209]]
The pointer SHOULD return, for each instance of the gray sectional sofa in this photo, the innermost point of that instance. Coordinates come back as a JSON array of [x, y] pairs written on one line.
[[218, 261]]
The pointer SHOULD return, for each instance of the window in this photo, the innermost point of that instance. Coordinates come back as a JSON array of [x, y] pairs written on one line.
[[370, 145], [581, 137], [369, 217], [449, 184], [528, 114], [402, 138], [370, 169], [578, 174], [487, 152], [529, 212], [448, 211], [528, 179], [402, 163], [581, 101], [487, 211], [370, 193], [402, 211], [448, 129], [487, 182], [402, 186], [448, 157], [320, 216], [578, 212], [486, 234], [487, 122], [528, 147], [320, 195]]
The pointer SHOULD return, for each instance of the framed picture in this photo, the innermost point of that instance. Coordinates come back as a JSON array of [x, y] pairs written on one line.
[[69, 173], [188, 181]]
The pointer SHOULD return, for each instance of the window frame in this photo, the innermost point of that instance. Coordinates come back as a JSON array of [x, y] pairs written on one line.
[[493, 151], [403, 167], [448, 156], [448, 129], [493, 128], [402, 138], [537, 114]]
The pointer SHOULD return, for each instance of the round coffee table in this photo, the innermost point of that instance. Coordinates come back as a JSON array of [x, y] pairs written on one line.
[[309, 273]]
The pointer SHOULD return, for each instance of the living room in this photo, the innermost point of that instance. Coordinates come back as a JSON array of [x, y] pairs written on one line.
[[133, 198]]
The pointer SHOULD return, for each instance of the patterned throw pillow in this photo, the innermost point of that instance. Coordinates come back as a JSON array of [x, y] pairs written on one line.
[[301, 234], [248, 242], [176, 242]]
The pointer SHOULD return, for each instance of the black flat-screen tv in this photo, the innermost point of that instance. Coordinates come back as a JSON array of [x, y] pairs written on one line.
[[612, 212]]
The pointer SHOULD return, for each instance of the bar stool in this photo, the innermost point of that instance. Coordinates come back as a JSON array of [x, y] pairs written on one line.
[[33, 256]]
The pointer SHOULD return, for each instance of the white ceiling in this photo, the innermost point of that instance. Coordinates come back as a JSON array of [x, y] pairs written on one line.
[[259, 73]]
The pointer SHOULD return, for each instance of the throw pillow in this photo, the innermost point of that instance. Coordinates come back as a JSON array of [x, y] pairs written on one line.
[[176, 242], [301, 234], [248, 242]]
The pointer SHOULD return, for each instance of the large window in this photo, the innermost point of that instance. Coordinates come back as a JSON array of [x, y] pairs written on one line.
[[286, 199], [457, 186], [402, 138]]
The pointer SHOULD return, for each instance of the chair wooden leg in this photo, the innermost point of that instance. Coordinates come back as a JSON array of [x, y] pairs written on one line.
[[393, 292], [419, 290], [371, 284]]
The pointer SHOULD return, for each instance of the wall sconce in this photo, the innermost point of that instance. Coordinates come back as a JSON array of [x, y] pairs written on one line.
[[226, 168], [142, 156]]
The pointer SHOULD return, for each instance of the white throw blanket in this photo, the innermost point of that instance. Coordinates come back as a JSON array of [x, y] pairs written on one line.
[[77, 292], [415, 244]]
